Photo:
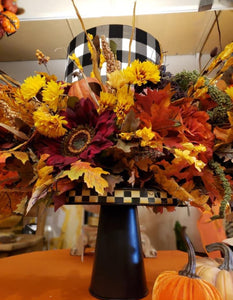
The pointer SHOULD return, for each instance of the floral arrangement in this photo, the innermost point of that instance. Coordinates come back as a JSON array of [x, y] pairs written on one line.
[[9, 21], [144, 128]]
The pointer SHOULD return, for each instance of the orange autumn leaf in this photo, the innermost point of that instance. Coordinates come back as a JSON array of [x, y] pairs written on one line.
[[144, 164], [212, 185], [9, 202], [91, 176], [64, 185], [7, 177], [4, 156], [25, 171]]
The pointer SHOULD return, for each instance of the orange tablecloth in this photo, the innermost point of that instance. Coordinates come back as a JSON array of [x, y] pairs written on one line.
[[55, 274]]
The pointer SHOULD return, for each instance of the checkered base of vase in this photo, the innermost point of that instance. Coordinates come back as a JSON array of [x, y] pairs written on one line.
[[122, 196]]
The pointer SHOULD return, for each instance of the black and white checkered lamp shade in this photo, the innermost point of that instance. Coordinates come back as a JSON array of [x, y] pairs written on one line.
[[144, 47], [147, 197]]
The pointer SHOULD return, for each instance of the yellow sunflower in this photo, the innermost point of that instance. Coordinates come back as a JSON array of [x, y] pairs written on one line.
[[49, 125], [32, 86]]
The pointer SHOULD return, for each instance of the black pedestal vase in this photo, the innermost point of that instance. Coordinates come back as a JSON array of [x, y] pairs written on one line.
[[118, 270]]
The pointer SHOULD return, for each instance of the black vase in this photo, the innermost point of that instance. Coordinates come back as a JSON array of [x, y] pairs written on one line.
[[118, 270]]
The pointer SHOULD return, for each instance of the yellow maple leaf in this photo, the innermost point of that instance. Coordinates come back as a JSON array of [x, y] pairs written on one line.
[[91, 176], [22, 156]]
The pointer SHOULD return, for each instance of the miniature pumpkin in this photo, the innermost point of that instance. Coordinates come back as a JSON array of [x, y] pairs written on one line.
[[220, 275], [10, 22], [84, 88], [10, 5], [185, 284]]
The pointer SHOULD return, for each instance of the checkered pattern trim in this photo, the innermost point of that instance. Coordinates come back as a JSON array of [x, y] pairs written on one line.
[[122, 196], [144, 47]]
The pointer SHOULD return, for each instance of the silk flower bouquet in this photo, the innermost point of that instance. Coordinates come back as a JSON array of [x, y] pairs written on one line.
[[145, 128]]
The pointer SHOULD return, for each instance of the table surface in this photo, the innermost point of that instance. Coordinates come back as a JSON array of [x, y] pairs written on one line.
[[55, 274]]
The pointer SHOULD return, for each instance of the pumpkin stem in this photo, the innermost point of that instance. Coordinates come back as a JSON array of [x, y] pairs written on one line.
[[190, 268], [227, 255]]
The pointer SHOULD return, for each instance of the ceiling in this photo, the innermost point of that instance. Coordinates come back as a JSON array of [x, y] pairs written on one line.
[[183, 30]]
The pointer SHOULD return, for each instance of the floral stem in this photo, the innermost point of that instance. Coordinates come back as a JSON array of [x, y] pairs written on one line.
[[132, 34]]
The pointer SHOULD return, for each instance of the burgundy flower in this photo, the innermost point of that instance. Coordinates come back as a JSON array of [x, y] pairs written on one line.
[[88, 133]]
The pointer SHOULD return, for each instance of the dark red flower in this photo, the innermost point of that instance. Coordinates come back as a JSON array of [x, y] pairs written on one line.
[[88, 133]]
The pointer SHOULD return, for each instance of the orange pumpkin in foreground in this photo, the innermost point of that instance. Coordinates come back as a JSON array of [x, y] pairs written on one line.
[[185, 284]]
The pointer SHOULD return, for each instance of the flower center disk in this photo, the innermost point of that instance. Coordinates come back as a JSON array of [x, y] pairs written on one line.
[[77, 140]]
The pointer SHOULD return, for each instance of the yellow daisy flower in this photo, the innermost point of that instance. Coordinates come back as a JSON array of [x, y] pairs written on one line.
[[106, 101], [125, 99], [49, 125], [117, 79], [52, 95], [25, 108], [141, 72], [32, 86]]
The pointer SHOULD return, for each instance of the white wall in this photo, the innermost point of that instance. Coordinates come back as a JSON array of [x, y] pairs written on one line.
[[160, 227], [19, 70]]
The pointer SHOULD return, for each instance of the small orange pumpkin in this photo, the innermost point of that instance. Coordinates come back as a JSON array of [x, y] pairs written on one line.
[[10, 5], [10, 22], [84, 87], [185, 284]]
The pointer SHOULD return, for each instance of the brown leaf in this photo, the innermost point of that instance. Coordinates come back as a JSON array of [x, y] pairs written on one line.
[[112, 180], [130, 123]]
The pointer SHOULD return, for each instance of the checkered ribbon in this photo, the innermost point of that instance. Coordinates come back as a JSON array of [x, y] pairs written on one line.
[[144, 47], [122, 196]]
